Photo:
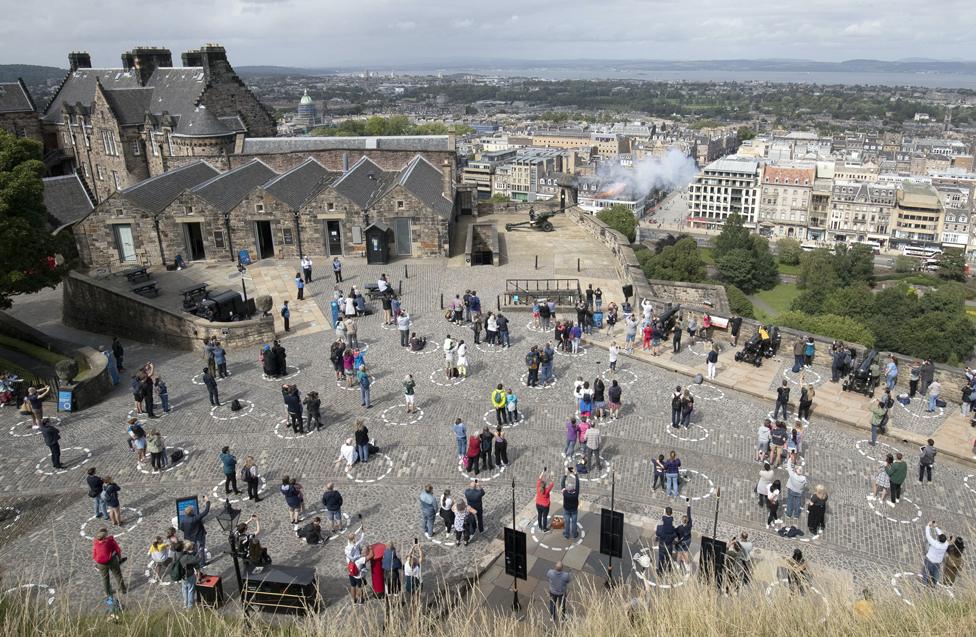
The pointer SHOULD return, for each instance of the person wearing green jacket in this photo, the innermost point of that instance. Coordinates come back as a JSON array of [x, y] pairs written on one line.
[[157, 450], [877, 416], [897, 474]]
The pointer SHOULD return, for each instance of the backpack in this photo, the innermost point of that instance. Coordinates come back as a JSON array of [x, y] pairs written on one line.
[[236, 405], [353, 569], [177, 572], [246, 474], [176, 456]]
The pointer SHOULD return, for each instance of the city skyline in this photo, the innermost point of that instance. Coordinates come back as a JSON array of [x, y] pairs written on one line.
[[379, 33]]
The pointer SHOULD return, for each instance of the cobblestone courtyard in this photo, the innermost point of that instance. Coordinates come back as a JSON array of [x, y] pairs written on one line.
[[45, 516]]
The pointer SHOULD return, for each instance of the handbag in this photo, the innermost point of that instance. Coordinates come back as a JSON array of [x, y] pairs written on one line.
[[557, 522]]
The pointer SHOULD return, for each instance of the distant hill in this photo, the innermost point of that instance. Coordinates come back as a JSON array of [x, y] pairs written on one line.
[[30, 73]]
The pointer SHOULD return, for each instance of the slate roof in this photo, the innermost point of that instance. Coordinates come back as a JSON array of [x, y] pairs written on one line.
[[130, 104], [175, 90], [66, 200], [233, 123], [298, 184], [418, 143], [201, 123], [426, 182], [227, 190], [14, 98], [363, 182], [155, 193]]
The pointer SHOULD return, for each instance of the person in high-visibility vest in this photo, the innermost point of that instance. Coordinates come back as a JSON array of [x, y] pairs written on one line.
[[498, 401]]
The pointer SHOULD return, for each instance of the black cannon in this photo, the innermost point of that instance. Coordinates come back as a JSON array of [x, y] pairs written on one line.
[[861, 379], [536, 221], [669, 318], [757, 348]]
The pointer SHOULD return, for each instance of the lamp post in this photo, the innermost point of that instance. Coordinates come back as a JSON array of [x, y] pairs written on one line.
[[298, 235], [159, 240], [230, 242], [227, 519]]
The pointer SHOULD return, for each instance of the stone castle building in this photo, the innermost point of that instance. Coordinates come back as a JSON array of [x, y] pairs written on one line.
[[200, 213], [119, 126], [18, 115]]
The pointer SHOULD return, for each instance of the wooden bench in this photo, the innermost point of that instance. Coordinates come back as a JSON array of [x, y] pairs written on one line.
[[136, 275], [193, 294], [147, 288], [373, 291]]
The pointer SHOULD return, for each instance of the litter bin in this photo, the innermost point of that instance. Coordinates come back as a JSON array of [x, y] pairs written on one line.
[[598, 319]]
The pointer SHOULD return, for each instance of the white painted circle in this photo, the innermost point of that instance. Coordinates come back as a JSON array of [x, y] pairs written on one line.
[[327, 532], [794, 419], [549, 385], [218, 494], [489, 348], [87, 456], [533, 530], [284, 423], [532, 328], [688, 436], [12, 522], [429, 348], [151, 577], [641, 571], [498, 471], [389, 469], [245, 411], [491, 421], [580, 351], [864, 448], [437, 378], [114, 530], [879, 511], [390, 327], [921, 413], [601, 420], [809, 587], [169, 466], [295, 371], [401, 417], [355, 386], [809, 376], [50, 590], [711, 485], [705, 391], [691, 348], [608, 377], [965, 482], [198, 379], [908, 575], [28, 428], [589, 477]]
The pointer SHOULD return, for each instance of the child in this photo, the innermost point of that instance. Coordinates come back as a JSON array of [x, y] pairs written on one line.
[[159, 554], [511, 404]]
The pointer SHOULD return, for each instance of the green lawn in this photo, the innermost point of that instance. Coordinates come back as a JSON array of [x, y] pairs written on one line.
[[42, 354], [707, 256], [788, 269], [779, 298]]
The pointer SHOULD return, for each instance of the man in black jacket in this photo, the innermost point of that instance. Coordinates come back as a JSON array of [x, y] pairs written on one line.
[[570, 503], [474, 495], [194, 529], [293, 404], [332, 501], [51, 438], [95, 493], [782, 400], [211, 384]]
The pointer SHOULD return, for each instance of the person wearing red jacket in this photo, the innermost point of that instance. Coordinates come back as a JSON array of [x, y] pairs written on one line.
[[542, 501], [107, 555], [474, 453]]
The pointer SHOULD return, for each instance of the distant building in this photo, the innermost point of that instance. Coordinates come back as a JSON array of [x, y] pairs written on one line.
[[725, 186], [605, 144], [594, 194], [785, 199], [917, 217], [18, 115], [307, 116], [861, 211], [481, 172]]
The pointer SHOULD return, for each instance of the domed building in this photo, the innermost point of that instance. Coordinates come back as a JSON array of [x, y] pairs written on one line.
[[307, 116]]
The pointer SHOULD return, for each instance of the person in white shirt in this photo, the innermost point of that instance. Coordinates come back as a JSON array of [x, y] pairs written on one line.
[[382, 283], [348, 453], [307, 269], [448, 348], [648, 308], [462, 359], [403, 324], [411, 569], [614, 354], [938, 545], [795, 487]]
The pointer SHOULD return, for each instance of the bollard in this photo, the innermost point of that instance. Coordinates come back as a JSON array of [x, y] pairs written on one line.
[[577, 264], [400, 287], [442, 300], [406, 274], [498, 302], [537, 262]]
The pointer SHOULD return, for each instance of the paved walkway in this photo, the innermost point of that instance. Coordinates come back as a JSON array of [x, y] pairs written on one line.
[[43, 508]]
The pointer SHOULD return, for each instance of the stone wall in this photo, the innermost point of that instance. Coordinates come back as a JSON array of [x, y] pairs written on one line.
[[89, 304], [21, 124], [516, 207], [93, 386], [625, 261]]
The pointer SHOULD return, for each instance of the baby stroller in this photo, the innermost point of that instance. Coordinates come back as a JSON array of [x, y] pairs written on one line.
[[752, 351], [861, 379]]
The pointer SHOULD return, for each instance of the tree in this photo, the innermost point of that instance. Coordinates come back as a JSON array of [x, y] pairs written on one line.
[[739, 303], [840, 327], [746, 133], [905, 264], [621, 219], [499, 198], [733, 236], [765, 273], [789, 251], [855, 301], [817, 268], [736, 268], [854, 264], [952, 265], [678, 262], [27, 247]]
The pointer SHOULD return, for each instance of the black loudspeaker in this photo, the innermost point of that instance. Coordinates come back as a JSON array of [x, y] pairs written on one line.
[[611, 532], [711, 560], [628, 291], [515, 554]]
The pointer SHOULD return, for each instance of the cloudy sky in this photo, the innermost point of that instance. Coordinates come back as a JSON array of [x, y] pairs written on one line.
[[386, 32]]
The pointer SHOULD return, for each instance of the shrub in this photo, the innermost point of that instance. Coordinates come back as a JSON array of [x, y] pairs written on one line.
[[621, 219], [739, 303], [904, 264], [830, 325], [789, 251]]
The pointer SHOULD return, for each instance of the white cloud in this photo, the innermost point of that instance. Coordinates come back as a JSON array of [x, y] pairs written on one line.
[[405, 25], [865, 28], [466, 23]]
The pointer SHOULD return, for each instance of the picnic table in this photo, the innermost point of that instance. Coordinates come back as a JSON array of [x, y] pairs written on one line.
[[146, 288], [137, 274]]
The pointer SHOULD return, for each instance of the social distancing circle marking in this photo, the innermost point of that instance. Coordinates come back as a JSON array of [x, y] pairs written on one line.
[[705, 391], [496, 473], [290, 372], [588, 477], [50, 471], [246, 409], [883, 509], [552, 382], [649, 554], [864, 448], [397, 415], [198, 379], [170, 466], [438, 378], [26, 428], [355, 386], [42, 588], [285, 424], [492, 421], [687, 436], [116, 531], [907, 575], [5, 517], [609, 377], [389, 469], [219, 494], [534, 530], [711, 485]]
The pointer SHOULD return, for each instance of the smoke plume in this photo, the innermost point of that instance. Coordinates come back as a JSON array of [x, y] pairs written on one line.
[[672, 171]]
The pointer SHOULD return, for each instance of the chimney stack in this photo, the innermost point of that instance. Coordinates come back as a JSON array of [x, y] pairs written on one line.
[[345, 163], [79, 60], [447, 173], [208, 56], [146, 59]]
